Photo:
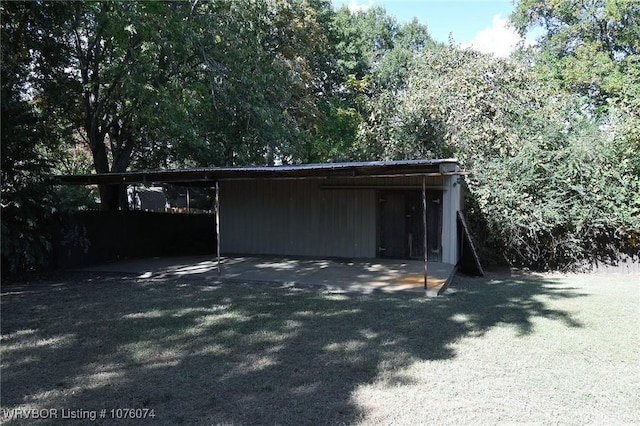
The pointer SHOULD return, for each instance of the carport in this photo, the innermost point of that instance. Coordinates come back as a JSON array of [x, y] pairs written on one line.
[[350, 213]]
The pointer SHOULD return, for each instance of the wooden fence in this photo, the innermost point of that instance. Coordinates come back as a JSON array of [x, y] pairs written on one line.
[[93, 237]]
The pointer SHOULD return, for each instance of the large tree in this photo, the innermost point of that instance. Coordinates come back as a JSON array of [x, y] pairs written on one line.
[[99, 70], [587, 46], [166, 84], [373, 53], [148, 85], [263, 76]]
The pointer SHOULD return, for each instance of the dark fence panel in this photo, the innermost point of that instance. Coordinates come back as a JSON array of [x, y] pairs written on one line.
[[93, 237]]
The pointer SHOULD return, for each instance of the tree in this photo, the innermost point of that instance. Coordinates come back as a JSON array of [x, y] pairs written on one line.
[[373, 43], [262, 79], [28, 203], [86, 73], [373, 54], [160, 84], [592, 48], [548, 185]]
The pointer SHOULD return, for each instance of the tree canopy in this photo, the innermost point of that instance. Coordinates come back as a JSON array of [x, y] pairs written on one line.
[[551, 135]]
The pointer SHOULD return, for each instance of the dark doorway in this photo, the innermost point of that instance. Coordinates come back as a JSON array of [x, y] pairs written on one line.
[[401, 225]]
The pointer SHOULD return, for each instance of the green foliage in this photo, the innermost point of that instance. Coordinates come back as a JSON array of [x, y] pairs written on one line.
[[362, 39], [336, 136], [557, 209], [34, 143], [159, 84], [551, 140], [373, 44], [550, 187], [373, 55], [259, 81], [591, 47], [27, 202]]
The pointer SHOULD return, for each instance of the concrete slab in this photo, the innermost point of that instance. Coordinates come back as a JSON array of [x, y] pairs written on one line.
[[364, 275]]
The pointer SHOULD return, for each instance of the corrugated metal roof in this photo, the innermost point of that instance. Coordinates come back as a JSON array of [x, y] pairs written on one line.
[[208, 175]]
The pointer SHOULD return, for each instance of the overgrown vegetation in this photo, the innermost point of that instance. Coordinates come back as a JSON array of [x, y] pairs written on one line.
[[28, 206], [35, 143], [552, 184], [551, 135]]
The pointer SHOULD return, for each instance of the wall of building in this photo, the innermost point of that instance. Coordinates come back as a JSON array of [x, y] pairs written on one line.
[[296, 217], [451, 200], [318, 217]]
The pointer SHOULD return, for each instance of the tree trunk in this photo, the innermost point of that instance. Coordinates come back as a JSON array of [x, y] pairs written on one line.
[[99, 110], [109, 197], [112, 197]]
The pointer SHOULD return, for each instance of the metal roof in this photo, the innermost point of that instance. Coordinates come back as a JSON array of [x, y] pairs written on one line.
[[209, 175]]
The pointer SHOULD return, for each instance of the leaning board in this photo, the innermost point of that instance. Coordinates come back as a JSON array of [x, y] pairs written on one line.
[[467, 236]]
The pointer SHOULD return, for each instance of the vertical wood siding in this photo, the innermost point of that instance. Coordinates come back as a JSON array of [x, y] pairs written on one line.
[[296, 217], [316, 217]]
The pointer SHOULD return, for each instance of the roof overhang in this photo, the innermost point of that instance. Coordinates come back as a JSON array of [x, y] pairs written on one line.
[[210, 175]]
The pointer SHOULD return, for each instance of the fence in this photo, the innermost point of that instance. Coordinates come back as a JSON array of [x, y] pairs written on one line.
[[100, 236], [624, 265]]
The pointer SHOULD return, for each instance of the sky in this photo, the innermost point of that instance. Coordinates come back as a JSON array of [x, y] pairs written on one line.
[[481, 24]]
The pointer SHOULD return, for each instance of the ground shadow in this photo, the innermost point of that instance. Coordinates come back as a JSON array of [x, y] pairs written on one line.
[[207, 352]]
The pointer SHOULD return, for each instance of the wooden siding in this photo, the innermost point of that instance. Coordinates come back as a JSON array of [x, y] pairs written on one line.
[[334, 217], [296, 217], [451, 204]]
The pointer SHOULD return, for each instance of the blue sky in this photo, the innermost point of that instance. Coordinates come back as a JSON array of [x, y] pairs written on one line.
[[481, 24]]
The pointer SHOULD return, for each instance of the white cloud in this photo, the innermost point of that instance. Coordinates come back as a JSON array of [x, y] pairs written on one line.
[[355, 6], [500, 38]]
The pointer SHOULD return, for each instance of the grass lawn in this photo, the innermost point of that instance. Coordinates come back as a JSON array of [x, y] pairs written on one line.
[[501, 349]]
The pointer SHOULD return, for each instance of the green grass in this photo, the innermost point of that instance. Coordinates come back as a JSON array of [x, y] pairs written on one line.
[[502, 349]]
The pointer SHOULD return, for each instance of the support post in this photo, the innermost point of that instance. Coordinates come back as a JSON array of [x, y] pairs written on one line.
[[134, 195], [217, 208], [188, 201], [424, 224]]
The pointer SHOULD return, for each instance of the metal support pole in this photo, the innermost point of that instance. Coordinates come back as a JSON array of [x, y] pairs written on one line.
[[188, 201], [424, 224], [217, 208], [134, 196]]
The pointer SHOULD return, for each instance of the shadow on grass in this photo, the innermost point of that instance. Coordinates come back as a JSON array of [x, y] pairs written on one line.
[[203, 352]]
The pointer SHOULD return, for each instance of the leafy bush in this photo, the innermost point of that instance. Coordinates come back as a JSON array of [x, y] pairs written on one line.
[[551, 186], [27, 202], [558, 209]]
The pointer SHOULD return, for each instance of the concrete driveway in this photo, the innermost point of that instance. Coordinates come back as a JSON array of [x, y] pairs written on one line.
[[363, 275]]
